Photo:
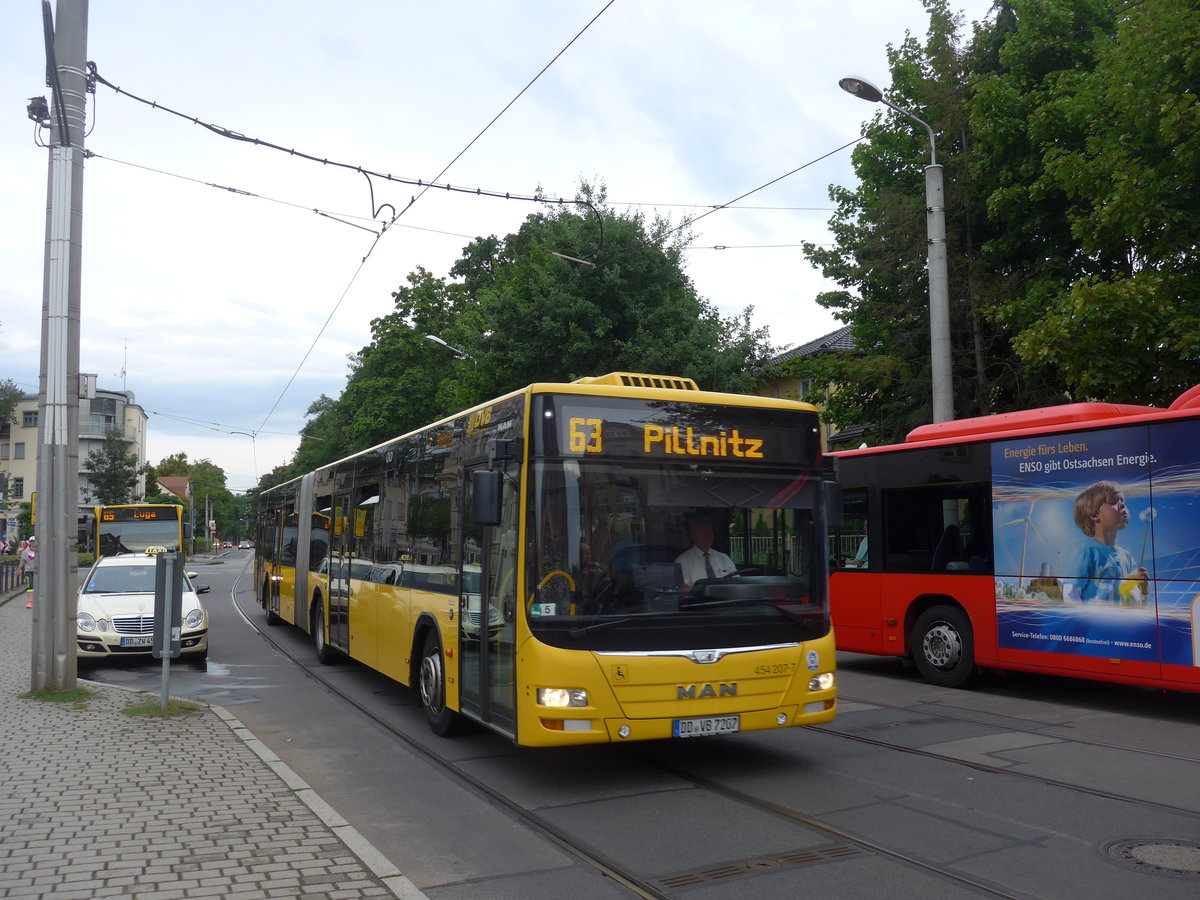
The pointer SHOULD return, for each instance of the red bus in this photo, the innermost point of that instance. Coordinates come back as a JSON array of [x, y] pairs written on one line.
[[1063, 540]]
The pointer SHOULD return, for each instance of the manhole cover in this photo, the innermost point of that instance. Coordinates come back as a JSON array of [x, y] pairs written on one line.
[[1164, 856]]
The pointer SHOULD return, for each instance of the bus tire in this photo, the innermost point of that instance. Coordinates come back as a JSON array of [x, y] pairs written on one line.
[[432, 687], [325, 653], [943, 647], [272, 619]]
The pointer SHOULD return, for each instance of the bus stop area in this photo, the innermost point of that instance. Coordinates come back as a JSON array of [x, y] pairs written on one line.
[[96, 803]]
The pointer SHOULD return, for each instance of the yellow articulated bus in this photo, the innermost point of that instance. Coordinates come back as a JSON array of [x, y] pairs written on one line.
[[138, 528], [619, 558]]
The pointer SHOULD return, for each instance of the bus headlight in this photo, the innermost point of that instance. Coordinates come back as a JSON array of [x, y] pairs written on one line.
[[85, 622], [561, 697], [822, 682]]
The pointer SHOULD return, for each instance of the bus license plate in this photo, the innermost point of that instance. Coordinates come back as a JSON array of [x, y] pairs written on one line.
[[143, 641], [684, 728]]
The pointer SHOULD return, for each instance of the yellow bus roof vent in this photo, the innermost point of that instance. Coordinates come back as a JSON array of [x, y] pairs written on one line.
[[631, 379]]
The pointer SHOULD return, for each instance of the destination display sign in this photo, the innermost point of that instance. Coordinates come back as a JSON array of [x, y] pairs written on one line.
[[139, 514], [607, 428]]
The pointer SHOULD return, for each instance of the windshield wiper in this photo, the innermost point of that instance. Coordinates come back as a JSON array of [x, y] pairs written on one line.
[[743, 601], [613, 623]]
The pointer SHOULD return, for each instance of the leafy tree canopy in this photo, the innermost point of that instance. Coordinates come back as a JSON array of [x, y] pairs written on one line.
[[1069, 137], [10, 396], [525, 309], [112, 471], [208, 492]]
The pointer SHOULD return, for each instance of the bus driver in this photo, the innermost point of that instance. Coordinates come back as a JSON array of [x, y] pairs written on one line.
[[701, 560]]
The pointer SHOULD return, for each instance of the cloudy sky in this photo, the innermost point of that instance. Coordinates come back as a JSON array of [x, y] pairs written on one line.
[[224, 284]]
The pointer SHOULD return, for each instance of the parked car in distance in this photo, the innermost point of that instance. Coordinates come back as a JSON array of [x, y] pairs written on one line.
[[115, 612]]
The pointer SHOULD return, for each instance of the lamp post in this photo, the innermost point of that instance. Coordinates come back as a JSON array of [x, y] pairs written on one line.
[[458, 354], [253, 449], [939, 280]]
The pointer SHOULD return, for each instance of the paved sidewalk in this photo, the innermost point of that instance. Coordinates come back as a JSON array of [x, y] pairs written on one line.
[[94, 803]]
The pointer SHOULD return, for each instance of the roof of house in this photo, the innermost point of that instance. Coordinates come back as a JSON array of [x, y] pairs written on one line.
[[176, 484], [833, 342]]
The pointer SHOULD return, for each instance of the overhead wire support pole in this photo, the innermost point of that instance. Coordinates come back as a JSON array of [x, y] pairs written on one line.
[[53, 660]]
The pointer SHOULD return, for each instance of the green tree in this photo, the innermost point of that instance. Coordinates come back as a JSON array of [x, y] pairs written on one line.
[[10, 396], [322, 440], [401, 381], [1068, 133], [209, 493], [1119, 139], [523, 313], [112, 471], [536, 316], [879, 258]]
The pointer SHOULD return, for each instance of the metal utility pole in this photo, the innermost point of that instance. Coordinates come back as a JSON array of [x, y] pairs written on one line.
[[53, 659], [939, 279]]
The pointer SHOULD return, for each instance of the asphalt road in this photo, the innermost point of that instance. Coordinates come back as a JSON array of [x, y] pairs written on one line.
[[1026, 787]]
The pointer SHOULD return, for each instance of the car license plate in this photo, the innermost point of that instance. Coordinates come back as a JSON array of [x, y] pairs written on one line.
[[144, 640], [709, 726]]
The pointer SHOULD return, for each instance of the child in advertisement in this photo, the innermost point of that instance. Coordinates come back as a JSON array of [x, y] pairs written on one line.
[[1106, 573]]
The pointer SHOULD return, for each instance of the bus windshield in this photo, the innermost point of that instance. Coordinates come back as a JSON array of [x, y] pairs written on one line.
[[137, 529], [638, 556]]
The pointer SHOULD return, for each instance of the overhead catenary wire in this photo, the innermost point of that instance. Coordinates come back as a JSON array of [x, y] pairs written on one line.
[[425, 185]]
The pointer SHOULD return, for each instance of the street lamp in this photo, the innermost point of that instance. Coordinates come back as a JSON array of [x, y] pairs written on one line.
[[939, 280], [458, 354]]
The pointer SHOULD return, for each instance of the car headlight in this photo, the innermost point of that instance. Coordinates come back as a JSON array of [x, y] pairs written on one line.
[[194, 619], [85, 622], [561, 697], [493, 616]]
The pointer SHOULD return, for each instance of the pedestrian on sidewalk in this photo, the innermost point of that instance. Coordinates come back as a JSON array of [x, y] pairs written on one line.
[[30, 567]]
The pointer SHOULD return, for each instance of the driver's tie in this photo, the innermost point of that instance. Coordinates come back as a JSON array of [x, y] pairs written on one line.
[[708, 569]]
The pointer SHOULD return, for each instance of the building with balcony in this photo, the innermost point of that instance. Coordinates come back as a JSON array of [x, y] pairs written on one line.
[[100, 412]]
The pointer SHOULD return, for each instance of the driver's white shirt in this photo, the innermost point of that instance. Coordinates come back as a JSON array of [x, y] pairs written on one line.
[[691, 564]]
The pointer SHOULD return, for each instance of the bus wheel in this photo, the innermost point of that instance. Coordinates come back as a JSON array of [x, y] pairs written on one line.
[[442, 720], [325, 653], [272, 619], [943, 647]]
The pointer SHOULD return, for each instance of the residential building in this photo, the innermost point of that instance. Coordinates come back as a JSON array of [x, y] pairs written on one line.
[[99, 413], [792, 388]]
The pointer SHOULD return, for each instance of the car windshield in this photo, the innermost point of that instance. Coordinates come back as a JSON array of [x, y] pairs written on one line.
[[124, 580]]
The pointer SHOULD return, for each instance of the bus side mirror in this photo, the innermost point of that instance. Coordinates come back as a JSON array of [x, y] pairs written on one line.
[[487, 494], [833, 505], [833, 492]]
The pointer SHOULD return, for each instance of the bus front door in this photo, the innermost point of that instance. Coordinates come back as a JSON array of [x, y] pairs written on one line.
[[487, 609]]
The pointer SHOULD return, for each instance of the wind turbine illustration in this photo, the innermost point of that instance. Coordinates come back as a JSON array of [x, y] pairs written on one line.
[[1027, 521]]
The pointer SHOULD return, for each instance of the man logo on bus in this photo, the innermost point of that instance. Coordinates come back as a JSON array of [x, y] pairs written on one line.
[[690, 691]]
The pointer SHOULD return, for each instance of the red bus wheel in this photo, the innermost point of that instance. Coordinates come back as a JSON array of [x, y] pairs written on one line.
[[943, 646]]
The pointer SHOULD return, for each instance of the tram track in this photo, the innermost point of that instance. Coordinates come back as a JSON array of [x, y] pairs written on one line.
[[637, 884], [1016, 729], [848, 734], [578, 849], [1024, 776]]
